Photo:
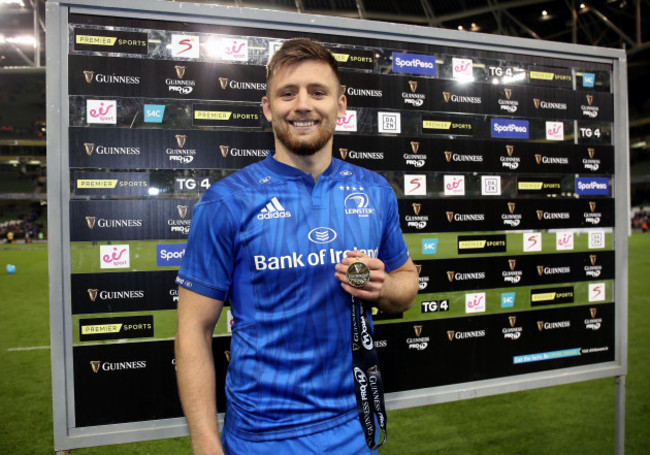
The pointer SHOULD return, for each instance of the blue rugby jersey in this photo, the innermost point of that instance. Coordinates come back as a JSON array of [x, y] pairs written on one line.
[[268, 237]]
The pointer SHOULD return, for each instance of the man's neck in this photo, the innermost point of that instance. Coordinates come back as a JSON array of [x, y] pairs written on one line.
[[314, 164]]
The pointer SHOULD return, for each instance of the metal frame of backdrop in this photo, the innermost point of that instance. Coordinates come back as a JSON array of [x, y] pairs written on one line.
[[67, 433]]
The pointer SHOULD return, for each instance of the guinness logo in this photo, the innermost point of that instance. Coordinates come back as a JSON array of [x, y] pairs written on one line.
[[344, 153], [95, 364], [537, 102], [224, 150], [182, 210], [507, 92], [223, 82], [510, 149], [540, 325], [512, 263], [415, 146], [180, 71], [413, 85], [90, 221], [592, 312], [418, 330], [512, 320], [373, 369], [180, 140], [538, 158], [448, 156], [590, 99], [592, 259], [540, 214], [540, 270], [511, 207], [92, 293], [450, 334], [446, 96], [355, 347], [88, 75], [450, 216], [591, 151], [90, 147], [418, 267], [450, 275], [227, 354], [343, 88], [592, 206], [416, 208]]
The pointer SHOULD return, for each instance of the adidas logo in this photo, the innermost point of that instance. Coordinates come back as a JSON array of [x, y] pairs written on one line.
[[272, 210]]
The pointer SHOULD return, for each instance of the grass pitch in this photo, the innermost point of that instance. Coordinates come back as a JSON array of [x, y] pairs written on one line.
[[571, 419]]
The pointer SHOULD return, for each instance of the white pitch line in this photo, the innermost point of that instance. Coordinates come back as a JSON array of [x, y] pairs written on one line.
[[29, 348]]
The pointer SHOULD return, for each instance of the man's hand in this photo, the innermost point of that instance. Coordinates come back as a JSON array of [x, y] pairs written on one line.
[[370, 291], [391, 292]]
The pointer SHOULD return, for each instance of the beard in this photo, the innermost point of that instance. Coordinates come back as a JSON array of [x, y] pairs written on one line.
[[304, 146]]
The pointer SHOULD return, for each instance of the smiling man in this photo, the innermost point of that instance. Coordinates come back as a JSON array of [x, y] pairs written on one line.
[[278, 238]]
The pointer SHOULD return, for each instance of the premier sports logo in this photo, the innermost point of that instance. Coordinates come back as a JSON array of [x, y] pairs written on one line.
[[112, 41], [273, 210]]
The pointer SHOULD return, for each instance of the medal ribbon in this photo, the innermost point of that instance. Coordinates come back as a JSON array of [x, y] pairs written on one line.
[[368, 386]]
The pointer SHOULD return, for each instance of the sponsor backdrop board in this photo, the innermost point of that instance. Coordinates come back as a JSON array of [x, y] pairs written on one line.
[[508, 161]]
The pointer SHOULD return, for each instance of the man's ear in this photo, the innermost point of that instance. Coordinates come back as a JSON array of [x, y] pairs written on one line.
[[343, 105], [266, 108]]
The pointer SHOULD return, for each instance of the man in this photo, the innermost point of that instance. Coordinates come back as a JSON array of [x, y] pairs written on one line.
[[277, 238]]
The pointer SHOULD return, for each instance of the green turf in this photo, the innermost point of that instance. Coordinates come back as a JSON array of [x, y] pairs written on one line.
[[571, 419]]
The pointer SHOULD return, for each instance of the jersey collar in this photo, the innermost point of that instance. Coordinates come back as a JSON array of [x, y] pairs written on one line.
[[283, 169]]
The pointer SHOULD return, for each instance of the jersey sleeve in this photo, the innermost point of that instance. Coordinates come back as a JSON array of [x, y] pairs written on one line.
[[393, 250], [209, 254]]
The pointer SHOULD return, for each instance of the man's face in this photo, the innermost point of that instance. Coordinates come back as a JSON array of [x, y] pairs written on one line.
[[303, 103]]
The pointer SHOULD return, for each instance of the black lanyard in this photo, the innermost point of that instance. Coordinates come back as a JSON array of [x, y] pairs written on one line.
[[368, 386]]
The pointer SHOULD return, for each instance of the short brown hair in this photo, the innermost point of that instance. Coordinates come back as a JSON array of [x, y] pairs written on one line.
[[297, 50]]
